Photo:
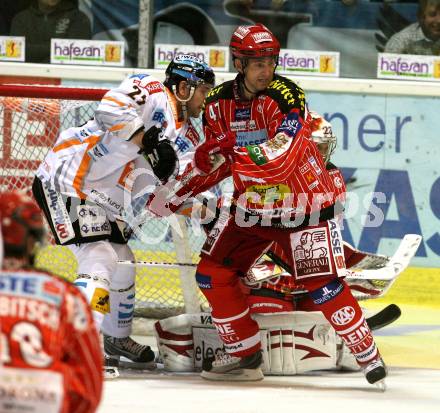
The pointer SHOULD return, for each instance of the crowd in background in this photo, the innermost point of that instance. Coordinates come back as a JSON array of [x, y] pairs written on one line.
[[404, 27]]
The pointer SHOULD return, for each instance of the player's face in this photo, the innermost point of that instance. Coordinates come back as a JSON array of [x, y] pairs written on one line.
[[48, 3], [259, 73], [431, 21], [196, 103], [323, 149]]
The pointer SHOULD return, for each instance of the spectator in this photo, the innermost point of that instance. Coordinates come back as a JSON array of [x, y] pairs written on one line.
[[46, 19], [422, 37], [8, 9]]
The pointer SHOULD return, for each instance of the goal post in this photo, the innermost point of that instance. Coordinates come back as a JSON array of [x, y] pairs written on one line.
[[31, 117]]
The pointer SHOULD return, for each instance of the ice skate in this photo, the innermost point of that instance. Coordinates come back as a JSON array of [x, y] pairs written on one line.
[[129, 353], [375, 373], [110, 367], [225, 367]]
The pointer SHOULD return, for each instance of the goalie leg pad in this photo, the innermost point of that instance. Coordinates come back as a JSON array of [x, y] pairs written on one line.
[[292, 343], [230, 312]]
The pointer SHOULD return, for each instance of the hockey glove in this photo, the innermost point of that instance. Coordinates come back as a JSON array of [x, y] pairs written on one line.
[[206, 157], [159, 154]]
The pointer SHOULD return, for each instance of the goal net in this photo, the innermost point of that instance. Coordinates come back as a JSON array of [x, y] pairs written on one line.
[[31, 118]]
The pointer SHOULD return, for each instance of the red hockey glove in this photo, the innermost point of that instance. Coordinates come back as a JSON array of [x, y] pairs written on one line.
[[206, 153]]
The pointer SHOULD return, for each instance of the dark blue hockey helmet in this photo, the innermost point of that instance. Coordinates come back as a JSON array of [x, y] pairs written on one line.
[[191, 69]]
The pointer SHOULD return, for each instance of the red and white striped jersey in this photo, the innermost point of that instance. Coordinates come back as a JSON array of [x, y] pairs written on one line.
[[277, 170], [50, 353], [287, 284]]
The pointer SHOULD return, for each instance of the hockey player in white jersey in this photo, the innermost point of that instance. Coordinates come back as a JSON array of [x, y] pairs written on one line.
[[96, 175]]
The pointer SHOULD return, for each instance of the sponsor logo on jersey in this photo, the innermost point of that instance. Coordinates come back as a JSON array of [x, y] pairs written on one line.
[[357, 336], [315, 165], [158, 116], [277, 145], [100, 301], [92, 221], [227, 333], [242, 113], [290, 124], [336, 243], [102, 199], [244, 178], [243, 125], [32, 310], [58, 214], [267, 194], [251, 137], [311, 253], [285, 91], [304, 168], [154, 87], [182, 144], [257, 154], [98, 151], [125, 313], [338, 182], [214, 91], [343, 316], [204, 281], [192, 135], [326, 293]]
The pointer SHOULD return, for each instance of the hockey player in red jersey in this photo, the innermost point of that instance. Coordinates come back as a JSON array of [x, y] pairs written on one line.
[[50, 356], [258, 126]]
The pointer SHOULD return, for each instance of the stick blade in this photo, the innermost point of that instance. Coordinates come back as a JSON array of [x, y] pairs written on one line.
[[384, 317]]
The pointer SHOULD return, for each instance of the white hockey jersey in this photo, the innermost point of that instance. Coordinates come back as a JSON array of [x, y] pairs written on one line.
[[97, 161]]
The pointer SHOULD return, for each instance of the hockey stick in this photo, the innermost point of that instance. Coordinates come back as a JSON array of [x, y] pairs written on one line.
[[384, 317], [365, 283], [156, 264], [375, 283]]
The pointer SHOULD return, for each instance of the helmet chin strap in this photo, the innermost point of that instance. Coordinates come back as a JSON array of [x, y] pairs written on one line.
[[247, 89], [183, 101]]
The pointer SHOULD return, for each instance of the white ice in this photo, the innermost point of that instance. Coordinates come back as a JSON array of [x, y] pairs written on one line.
[[408, 391]]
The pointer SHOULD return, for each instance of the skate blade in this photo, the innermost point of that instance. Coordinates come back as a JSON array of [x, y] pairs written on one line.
[[381, 385], [126, 363], [111, 373], [235, 375]]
